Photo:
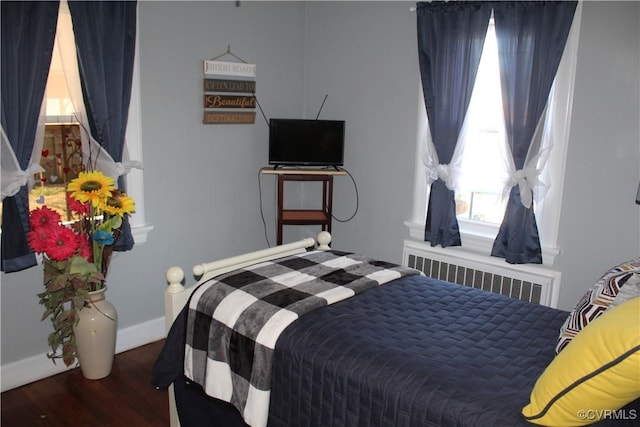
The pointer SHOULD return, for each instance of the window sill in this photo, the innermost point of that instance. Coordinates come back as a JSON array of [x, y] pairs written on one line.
[[140, 232], [478, 242]]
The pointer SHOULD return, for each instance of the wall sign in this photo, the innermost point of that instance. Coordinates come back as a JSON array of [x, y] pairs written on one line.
[[218, 117], [220, 85], [229, 101], [228, 88], [237, 69]]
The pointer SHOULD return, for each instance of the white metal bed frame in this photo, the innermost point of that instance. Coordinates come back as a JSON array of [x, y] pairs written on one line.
[[176, 294]]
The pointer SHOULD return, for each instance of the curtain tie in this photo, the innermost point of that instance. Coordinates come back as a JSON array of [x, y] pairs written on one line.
[[124, 167], [14, 178], [13, 181], [526, 179], [117, 169], [442, 172]]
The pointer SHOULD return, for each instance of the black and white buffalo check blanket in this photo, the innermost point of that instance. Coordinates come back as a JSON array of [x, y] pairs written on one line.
[[235, 319]]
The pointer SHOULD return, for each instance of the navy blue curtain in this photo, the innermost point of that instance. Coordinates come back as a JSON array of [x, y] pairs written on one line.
[[28, 34], [105, 33], [531, 39], [450, 41]]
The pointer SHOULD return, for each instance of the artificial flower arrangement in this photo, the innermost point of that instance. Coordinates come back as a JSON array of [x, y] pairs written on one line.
[[76, 256]]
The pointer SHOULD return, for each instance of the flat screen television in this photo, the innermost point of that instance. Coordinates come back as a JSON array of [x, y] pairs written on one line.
[[300, 142]]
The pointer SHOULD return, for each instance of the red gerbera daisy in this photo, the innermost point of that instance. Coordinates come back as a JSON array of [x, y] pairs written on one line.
[[78, 207], [62, 244], [43, 217], [37, 239], [85, 249]]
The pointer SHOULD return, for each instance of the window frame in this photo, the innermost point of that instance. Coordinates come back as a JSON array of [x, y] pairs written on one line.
[[478, 236], [133, 150]]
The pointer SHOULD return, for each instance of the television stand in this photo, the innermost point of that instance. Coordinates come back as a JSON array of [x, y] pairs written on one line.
[[321, 216]]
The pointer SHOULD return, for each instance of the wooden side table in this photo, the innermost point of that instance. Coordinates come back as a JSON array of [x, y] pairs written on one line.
[[320, 216]]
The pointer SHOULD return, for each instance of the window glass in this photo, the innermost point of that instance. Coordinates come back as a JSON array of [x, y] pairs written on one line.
[[479, 196], [61, 161]]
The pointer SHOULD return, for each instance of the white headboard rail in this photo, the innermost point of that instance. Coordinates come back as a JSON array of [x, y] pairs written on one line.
[[239, 261], [176, 295]]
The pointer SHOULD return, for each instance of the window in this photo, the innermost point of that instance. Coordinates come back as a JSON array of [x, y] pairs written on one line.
[[63, 139], [478, 199]]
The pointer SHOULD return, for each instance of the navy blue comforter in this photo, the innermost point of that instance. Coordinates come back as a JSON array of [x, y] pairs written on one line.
[[415, 352], [418, 352]]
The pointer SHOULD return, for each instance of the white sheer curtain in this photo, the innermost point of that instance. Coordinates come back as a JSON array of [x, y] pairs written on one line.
[[93, 154], [449, 173], [553, 128], [13, 177], [529, 177]]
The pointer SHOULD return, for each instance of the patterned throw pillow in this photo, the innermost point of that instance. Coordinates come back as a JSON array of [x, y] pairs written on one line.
[[600, 298], [630, 290]]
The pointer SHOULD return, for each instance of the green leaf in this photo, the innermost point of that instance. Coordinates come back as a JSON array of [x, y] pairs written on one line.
[[46, 314], [66, 287], [57, 283], [112, 223], [116, 222], [52, 339], [81, 295], [80, 265]]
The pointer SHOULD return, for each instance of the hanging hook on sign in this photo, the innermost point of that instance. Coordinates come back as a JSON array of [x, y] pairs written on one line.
[[228, 52]]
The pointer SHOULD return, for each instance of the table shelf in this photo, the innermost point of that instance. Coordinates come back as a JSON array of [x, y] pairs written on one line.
[[304, 216]]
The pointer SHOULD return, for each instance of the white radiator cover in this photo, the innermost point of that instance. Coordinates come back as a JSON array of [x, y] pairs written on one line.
[[527, 282]]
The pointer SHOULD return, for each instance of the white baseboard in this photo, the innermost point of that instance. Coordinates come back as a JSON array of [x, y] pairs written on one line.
[[37, 367]]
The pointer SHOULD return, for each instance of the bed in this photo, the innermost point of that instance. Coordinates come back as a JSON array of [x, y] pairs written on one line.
[[403, 350]]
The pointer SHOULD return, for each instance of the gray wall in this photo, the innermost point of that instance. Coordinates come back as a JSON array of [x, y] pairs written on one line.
[[600, 222], [201, 181], [367, 63]]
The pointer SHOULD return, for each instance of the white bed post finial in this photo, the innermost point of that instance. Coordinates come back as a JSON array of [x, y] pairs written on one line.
[[175, 276], [324, 238]]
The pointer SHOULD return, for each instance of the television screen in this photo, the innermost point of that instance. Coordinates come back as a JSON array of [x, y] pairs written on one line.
[[299, 142]]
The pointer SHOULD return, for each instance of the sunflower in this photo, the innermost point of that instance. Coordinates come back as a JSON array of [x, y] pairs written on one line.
[[118, 204], [91, 187]]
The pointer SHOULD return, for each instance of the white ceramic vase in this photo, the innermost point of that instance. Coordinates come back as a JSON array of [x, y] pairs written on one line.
[[96, 336]]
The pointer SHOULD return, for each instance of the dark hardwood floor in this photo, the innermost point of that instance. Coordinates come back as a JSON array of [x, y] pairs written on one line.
[[124, 398]]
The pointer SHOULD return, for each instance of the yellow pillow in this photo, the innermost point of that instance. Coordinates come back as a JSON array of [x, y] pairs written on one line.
[[597, 373]]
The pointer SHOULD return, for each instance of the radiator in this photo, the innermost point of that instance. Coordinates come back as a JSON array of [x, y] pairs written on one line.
[[527, 282]]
